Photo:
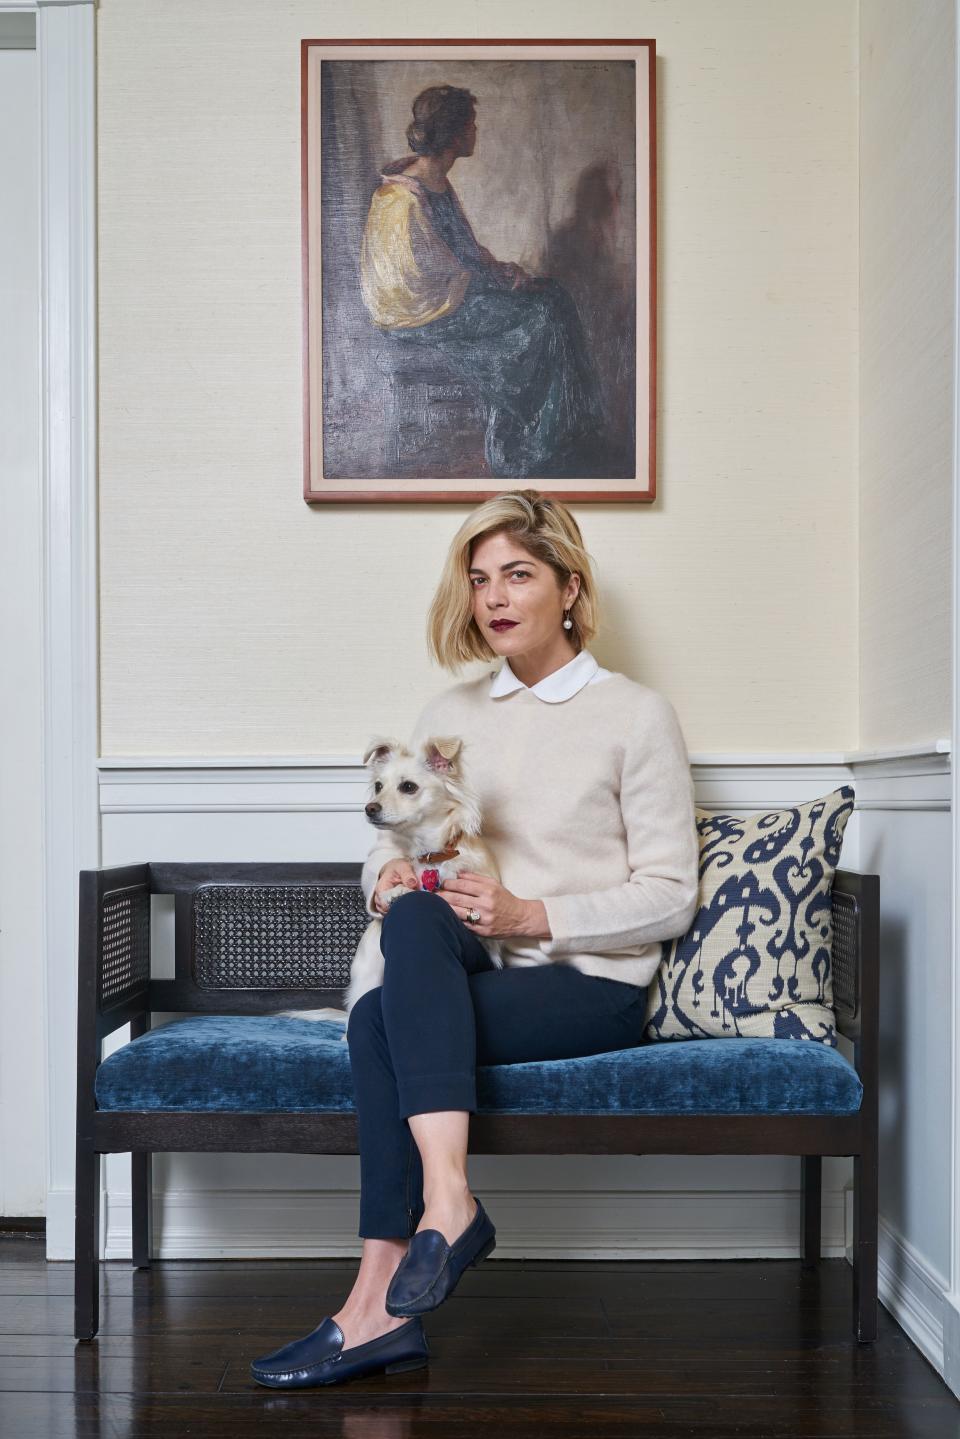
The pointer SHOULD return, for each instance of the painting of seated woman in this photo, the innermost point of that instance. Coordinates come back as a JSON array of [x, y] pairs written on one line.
[[479, 282]]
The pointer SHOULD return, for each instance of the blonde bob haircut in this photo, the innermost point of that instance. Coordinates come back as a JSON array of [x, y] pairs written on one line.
[[547, 531]]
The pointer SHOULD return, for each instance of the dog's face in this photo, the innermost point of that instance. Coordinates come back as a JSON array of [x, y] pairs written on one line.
[[414, 788]]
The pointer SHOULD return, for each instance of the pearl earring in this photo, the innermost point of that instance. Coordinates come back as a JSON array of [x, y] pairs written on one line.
[[568, 623]]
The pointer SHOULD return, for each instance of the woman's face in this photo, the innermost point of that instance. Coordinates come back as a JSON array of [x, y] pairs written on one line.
[[467, 139], [509, 584]]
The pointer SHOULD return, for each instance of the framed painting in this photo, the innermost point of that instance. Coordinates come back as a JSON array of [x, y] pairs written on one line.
[[479, 268]]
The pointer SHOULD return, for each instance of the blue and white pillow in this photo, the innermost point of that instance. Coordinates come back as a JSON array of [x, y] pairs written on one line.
[[756, 959]]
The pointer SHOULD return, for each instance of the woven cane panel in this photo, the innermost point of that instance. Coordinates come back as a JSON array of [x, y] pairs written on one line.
[[276, 936], [843, 953], [125, 944]]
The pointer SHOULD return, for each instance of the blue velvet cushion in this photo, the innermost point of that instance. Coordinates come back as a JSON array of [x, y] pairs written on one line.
[[264, 1062]]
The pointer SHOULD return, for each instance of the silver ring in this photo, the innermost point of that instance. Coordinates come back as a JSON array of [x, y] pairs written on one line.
[[473, 915]]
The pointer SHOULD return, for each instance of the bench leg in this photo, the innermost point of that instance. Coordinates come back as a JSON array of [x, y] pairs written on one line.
[[865, 1226], [141, 1190], [86, 1262], [811, 1166]]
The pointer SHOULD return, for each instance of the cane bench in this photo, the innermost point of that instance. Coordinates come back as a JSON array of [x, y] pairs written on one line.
[[228, 1074]]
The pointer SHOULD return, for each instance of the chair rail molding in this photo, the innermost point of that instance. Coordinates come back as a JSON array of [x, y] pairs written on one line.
[[916, 777]]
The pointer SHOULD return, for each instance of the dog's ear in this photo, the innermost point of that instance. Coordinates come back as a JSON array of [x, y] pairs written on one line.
[[379, 749], [440, 753]]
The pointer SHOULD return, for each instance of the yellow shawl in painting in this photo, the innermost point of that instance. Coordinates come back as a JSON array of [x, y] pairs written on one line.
[[408, 273]]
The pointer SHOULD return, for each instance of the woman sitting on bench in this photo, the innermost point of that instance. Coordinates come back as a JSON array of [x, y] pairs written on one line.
[[584, 781]]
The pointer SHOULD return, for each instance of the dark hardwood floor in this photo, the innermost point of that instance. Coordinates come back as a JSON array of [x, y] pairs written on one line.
[[523, 1348]]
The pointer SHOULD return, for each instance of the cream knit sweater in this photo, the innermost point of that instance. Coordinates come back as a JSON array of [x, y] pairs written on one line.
[[588, 805]]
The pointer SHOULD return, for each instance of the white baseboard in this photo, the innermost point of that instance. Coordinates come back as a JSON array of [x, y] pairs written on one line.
[[951, 1345], [531, 1224], [916, 1295], [61, 1218], [913, 1292]]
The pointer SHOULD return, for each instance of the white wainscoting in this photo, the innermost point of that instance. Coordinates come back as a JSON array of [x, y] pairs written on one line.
[[552, 1206]]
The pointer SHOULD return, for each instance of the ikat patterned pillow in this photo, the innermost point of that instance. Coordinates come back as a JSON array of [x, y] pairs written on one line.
[[755, 962]]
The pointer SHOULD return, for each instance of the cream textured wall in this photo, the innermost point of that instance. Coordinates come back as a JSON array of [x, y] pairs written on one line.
[[236, 620], [908, 250]]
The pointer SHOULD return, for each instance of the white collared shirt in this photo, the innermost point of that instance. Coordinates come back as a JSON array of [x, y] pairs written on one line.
[[562, 684]]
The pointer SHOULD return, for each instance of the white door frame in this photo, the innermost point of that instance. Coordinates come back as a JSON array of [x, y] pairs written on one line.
[[951, 1314], [66, 71]]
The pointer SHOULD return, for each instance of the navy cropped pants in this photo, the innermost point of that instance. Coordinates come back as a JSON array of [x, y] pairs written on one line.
[[442, 1009]]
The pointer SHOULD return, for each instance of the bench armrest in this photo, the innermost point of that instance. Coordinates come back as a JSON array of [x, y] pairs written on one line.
[[855, 964], [113, 967], [113, 961]]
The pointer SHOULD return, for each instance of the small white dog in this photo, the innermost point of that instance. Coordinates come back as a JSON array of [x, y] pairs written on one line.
[[422, 797]]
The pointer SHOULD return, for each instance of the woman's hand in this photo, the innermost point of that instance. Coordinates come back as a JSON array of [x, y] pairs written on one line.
[[394, 872], [501, 913]]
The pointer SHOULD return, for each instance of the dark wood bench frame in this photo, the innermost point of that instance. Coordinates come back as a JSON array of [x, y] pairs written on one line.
[[115, 988]]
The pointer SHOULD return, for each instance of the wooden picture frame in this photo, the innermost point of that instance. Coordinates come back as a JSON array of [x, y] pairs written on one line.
[[479, 312]]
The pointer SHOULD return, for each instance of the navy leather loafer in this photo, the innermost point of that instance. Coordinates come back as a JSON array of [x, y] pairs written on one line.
[[320, 1358], [431, 1268]]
